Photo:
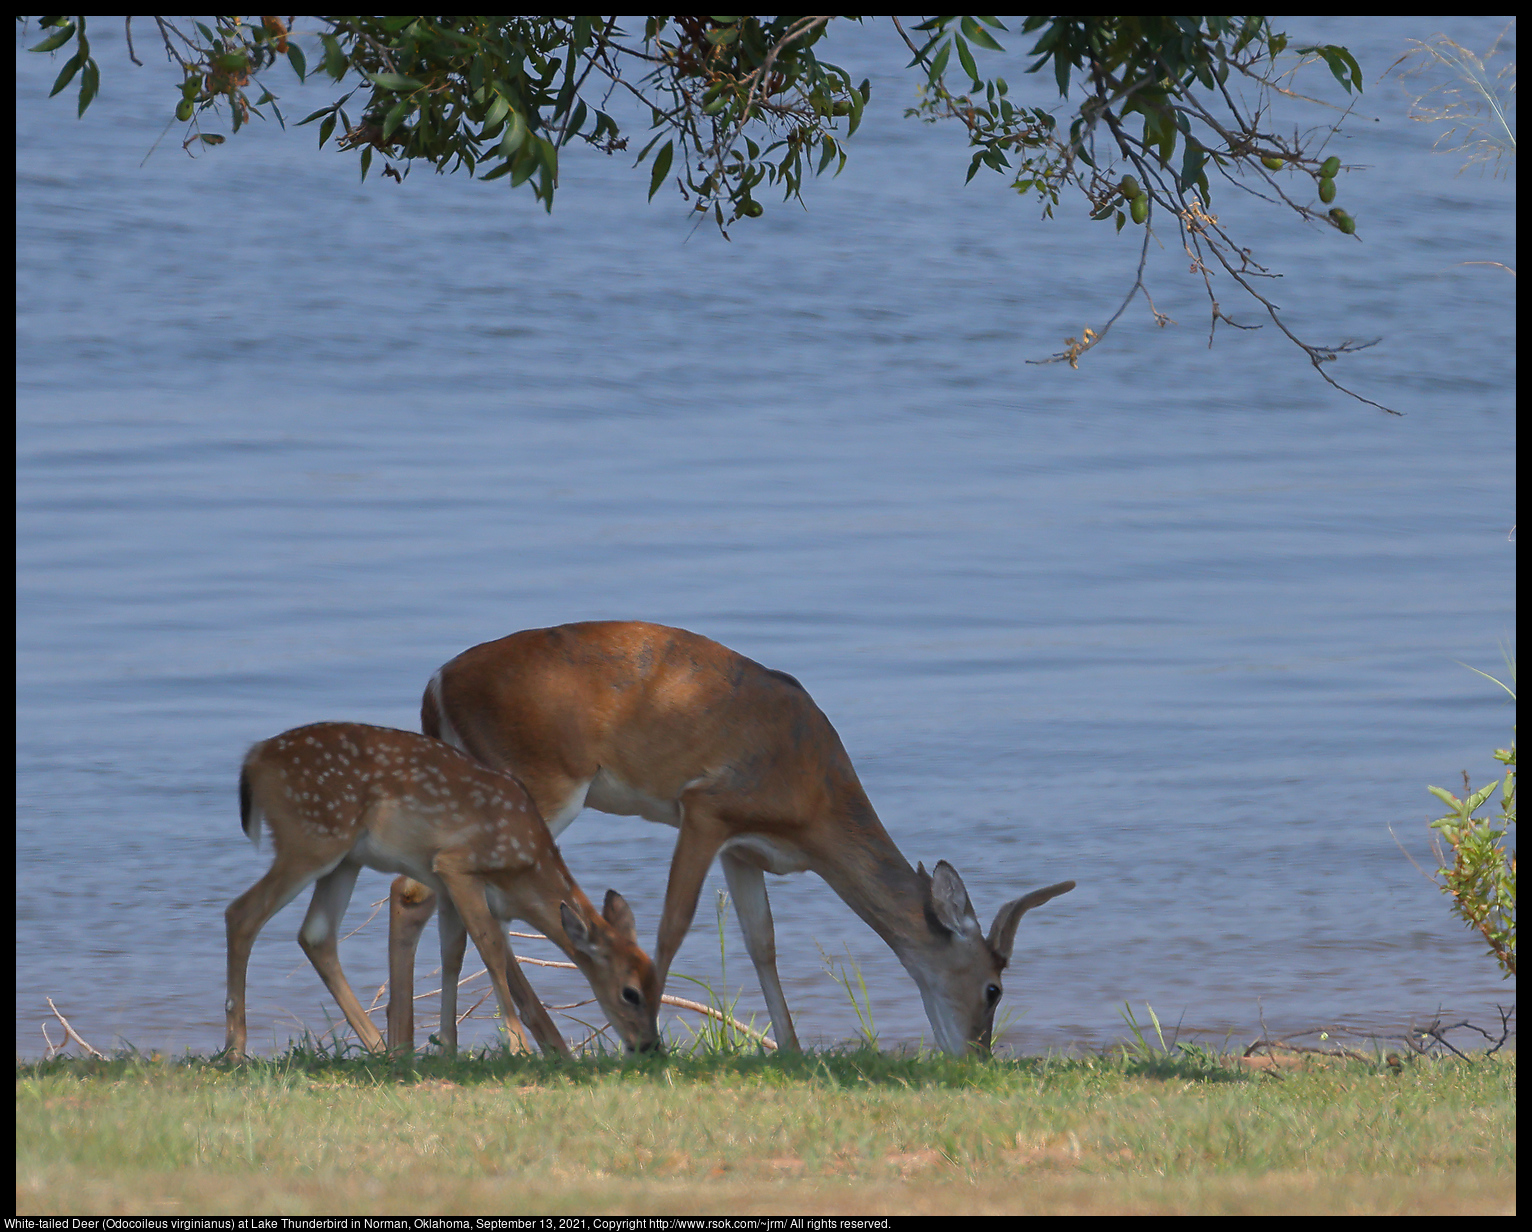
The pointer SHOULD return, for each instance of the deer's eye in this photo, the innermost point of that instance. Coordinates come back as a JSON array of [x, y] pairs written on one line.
[[633, 997], [992, 995]]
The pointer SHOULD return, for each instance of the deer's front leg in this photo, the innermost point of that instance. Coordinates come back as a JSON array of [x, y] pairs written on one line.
[[511, 987], [701, 836]]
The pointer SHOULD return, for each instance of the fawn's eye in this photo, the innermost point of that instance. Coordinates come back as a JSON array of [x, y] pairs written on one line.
[[633, 997], [992, 995]]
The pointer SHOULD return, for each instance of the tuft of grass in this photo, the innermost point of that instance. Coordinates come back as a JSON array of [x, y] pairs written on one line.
[[718, 1036], [855, 986]]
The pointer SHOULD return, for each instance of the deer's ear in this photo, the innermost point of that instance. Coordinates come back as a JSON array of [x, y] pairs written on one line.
[[616, 912], [576, 929], [1002, 935], [949, 901]]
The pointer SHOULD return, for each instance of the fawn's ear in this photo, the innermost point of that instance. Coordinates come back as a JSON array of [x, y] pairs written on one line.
[[616, 912], [949, 903], [576, 929], [1002, 936]]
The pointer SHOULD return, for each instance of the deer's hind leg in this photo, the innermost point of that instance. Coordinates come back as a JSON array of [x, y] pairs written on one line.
[[319, 938], [747, 884], [289, 875], [410, 905]]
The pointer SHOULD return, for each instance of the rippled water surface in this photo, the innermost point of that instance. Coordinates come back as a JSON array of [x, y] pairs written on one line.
[[1183, 625]]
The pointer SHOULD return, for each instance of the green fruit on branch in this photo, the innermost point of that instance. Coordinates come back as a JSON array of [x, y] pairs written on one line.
[[1130, 189], [1327, 190], [1344, 221], [1273, 164], [1329, 167], [1139, 209]]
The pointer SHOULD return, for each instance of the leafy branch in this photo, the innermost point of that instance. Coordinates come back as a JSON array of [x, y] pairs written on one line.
[[1172, 75], [1155, 110]]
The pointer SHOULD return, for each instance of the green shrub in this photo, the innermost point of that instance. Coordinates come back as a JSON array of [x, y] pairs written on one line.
[[1480, 873]]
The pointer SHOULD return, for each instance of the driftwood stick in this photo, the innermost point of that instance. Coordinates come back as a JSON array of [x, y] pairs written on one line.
[[69, 1034], [697, 1007]]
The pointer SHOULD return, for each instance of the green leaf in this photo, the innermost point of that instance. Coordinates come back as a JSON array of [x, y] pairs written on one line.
[[661, 167], [395, 117], [498, 110], [90, 82], [965, 58], [1191, 165], [366, 161], [1480, 796], [54, 41], [1340, 62], [295, 58], [939, 65], [857, 103], [514, 135], [334, 57], [1356, 69], [326, 129], [977, 34], [395, 82], [66, 74], [547, 157], [526, 164], [829, 153], [1445, 796]]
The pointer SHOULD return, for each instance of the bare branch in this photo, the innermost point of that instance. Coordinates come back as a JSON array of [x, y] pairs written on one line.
[[69, 1034]]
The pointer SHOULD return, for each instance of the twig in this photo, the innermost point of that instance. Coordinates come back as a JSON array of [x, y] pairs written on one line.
[[698, 1008], [69, 1034], [1075, 348], [1283, 1044]]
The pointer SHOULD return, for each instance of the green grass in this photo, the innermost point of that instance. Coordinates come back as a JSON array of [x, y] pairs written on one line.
[[831, 1132]]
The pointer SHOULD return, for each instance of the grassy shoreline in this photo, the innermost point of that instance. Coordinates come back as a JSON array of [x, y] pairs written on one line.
[[832, 1132]]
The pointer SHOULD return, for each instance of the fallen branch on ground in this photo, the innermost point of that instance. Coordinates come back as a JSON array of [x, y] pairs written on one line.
[[69, 1034]]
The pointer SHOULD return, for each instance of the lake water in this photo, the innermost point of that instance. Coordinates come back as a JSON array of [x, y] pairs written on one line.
[[1183, 625]]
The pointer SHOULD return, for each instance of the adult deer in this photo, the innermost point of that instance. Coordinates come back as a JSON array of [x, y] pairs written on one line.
[[341, 796], [635, 718]]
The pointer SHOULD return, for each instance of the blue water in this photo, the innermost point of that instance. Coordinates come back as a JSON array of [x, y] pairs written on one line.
[[1184, 625]]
